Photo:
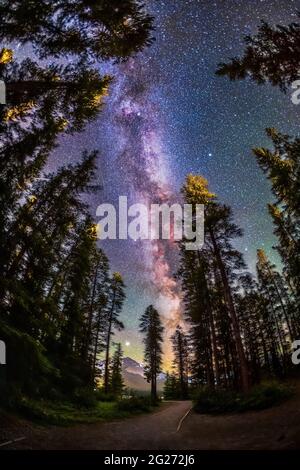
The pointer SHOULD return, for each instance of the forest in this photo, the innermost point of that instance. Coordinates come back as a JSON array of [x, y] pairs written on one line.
[[60, 304]]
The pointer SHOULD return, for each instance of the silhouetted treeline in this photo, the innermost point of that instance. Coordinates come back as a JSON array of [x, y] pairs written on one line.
[[59, 302], [243, 325]]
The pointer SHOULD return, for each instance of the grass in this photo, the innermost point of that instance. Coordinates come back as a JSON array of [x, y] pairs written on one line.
[[65, 413], [260, 397]]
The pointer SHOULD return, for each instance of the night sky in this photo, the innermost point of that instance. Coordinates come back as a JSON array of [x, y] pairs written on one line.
[[168, 115]]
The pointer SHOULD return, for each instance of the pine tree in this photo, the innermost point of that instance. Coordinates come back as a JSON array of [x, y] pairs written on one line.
[[282, 168], [272, 55], [199, 312], [73, 93], [99, 330], [23, 153], [171, 387], [116, 385], [51, 208], [83, 321], [101, 29], [116, 297], [220, 231], [50, 293], [50, 263], [151, 327], [181, 361], [77, 289], [258, 329], [95, 304], [272, 287]]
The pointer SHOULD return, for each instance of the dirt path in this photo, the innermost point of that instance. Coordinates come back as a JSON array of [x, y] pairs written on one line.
[[276, 428], [149, 431]]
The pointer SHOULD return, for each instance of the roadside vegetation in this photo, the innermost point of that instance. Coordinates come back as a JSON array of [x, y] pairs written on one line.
[[85, 409], [260, 397]]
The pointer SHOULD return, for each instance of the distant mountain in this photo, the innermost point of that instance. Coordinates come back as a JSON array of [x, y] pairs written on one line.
[[133, 375]]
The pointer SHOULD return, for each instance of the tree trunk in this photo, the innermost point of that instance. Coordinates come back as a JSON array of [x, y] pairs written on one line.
[[245, 383], [90, 318], [106, 373], [153, 380], [96, 344], [212, 326], [181, 373]]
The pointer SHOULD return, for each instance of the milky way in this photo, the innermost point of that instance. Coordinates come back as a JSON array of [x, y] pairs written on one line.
[[144, 177]]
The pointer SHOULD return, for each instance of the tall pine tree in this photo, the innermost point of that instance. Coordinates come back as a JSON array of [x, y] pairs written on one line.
[[151, 327]]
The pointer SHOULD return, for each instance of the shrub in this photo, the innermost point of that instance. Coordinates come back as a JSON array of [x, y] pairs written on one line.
[[215, 401], [104, 397], [135, 404], [10, 396], [54, 394], [260, 397], [28, 368], [265, 395], [85, 397], [38, 411]]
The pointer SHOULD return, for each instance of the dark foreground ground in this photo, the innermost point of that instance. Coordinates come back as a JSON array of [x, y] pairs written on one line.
[[275, 428]]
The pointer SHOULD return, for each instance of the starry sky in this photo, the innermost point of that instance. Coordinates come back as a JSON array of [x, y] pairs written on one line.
[[168, 115]]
